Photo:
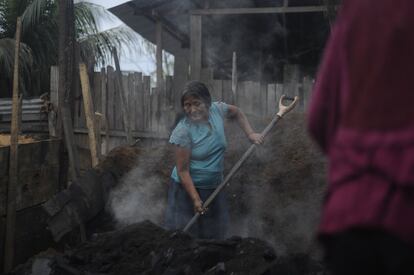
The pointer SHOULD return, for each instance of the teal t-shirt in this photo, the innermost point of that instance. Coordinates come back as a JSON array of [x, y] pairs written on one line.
[[207, 143]]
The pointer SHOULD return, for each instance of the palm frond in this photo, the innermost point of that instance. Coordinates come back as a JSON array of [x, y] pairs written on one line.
[[7, 46], [88, 17], [100, 45], [35, 12]]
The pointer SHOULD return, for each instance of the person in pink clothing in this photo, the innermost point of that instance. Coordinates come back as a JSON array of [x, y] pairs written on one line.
[[362, 116]]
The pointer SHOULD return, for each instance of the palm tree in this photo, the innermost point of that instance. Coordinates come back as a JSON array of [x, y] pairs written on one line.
[[40, 40]]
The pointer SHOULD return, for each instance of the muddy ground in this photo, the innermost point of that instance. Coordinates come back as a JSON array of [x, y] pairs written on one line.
[[274, 208]]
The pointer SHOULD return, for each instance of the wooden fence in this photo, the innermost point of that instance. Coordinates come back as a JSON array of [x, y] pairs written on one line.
[[152, 110]]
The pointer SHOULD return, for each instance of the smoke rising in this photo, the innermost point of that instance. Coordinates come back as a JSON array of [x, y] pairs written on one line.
[[140, 196]]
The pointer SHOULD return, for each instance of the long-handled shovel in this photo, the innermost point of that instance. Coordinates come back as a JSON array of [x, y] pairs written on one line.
[[282, 111]]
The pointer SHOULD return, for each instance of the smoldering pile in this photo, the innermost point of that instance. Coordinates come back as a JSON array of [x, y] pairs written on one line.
[[274, 197], [144, 248]]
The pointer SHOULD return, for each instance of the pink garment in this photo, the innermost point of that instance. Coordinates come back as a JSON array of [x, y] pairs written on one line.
[[362, 116]]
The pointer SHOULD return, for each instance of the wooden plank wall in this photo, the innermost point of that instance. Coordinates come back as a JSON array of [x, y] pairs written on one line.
[[152, 110], [255, 99]]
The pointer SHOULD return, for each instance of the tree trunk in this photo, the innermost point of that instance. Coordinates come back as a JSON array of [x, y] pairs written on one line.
[[66, 83]]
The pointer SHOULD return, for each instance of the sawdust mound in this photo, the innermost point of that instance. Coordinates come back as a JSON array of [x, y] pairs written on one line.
[[145, 248]]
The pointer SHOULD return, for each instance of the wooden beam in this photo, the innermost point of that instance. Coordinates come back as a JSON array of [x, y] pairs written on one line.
[[124, 101], [89, 113], [135, 134], [195, 47], [152, 15], [303, 9], [13, 164]]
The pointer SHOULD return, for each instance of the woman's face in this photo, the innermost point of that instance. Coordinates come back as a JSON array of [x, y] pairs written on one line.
[[195, 109]]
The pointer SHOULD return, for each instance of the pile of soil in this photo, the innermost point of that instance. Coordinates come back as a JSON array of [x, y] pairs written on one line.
[[278, 192], [145, 248], [275, 196]]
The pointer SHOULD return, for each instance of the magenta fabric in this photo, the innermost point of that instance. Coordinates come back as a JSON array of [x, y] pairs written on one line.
[[362, 116]]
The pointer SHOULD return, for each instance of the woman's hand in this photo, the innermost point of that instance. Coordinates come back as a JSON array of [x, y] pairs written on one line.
[[198, 207], [255, 138]]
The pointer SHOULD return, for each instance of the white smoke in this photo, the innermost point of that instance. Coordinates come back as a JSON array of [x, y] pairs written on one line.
[[138, 198]]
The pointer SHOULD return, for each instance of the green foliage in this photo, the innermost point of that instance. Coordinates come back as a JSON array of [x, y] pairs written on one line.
[[40, 38]]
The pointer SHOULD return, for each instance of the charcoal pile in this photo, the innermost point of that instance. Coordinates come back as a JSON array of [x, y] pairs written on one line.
[[145, 248], [274, 205]]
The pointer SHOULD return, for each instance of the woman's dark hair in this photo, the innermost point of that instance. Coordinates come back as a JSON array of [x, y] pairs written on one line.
[[196, 89]]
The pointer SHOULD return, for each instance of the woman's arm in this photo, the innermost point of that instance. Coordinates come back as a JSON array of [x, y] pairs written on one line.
[[182, 159], [236, 113]]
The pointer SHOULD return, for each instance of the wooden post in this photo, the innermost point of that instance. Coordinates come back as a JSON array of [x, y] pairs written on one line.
[[124, 101], [104, 108], [234, 78], [66, 69], [195, 47], [13, 164], [54, 101], [89, 113], [98, 125], [158, 35]]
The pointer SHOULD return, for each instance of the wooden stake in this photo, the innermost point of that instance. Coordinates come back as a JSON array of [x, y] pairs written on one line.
[[158, 35], [104, 98], [195, 47], [124, 101], [13, 164], [89, 113], [234, 78], [98, 131]]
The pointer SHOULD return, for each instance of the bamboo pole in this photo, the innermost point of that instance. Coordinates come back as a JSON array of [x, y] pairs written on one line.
[[13, 164], [89, 114]]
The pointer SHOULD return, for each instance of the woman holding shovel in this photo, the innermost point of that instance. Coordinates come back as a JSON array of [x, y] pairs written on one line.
[[199, 142]]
